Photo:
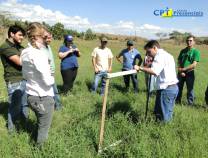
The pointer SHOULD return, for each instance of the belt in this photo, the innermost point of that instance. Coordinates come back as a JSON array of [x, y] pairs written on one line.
[[172, 85]]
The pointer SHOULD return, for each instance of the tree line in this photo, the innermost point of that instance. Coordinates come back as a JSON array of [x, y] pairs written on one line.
[[180, 37], [58, 30]]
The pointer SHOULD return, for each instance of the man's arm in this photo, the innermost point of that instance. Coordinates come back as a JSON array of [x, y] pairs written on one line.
[[94, 64], [62, 55], [180, 61], [188, 68], [118, 57], [15, 59], [110, 62], [140, 59], [78, 52], [144, 69]]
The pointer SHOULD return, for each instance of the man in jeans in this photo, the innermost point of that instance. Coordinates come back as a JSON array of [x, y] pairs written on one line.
[[49, 53], [130, 55], [163, 67], [10, 52], [187, 61], [102, 63]]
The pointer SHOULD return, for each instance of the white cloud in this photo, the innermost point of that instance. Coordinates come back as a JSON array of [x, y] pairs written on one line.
[[31, 12]]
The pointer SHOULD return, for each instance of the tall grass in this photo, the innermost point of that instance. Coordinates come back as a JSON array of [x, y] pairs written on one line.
[[75, 129]]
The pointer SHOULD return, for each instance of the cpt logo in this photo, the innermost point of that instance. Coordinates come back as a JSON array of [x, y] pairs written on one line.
[[166, 13], [169, 13]]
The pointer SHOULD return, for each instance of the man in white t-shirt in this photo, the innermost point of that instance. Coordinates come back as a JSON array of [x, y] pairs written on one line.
[[163, 67], [102, 63]]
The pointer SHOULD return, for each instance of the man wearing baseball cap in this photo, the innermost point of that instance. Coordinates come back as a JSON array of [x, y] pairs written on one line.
[[130, 55], [102, 64]]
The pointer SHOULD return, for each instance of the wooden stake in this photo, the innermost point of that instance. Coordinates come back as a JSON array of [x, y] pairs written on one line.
[[103, 116]]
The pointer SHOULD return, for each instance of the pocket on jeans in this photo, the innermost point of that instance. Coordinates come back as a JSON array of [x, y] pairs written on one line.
[[36, 105], [170, 98]]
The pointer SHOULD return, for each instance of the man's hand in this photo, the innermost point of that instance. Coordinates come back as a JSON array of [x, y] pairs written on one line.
[[136, 67], [182, 74], [109, 70], [181, 69], [70, 51], [119, 60], [76, 49], [96, 70]]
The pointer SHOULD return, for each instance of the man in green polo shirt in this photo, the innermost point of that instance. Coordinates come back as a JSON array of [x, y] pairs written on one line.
[[187, 61], [10, 51]]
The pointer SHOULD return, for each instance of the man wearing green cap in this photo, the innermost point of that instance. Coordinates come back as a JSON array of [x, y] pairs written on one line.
[[130, 55], [187, 61]]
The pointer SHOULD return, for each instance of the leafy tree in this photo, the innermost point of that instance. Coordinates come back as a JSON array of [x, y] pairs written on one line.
[[21, 24], [178, 36], [74, 33], [58, 31], [89, 35], [81, 35], [5, 22]]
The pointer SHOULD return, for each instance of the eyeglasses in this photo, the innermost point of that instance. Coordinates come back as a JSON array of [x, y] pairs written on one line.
[[189, 40]]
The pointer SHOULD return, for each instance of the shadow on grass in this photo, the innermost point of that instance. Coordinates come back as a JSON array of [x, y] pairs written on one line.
[[119, 87], [4, 109], [22, 125], [124, 90], [126, 109], [88, 84]]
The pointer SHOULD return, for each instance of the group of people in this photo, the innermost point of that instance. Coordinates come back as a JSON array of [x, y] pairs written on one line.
[[29, 76], [29, 73]]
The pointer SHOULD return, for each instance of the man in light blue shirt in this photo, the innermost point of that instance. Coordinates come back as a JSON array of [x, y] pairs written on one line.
[[130, 55]]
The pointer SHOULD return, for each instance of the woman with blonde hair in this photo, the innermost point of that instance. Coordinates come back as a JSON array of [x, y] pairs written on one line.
[[36, 70]]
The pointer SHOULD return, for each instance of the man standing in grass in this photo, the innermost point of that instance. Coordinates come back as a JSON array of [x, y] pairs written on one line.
[[102, 59], [48, 39], [10, 52], [163, 67], [130, 55], [187, 61]]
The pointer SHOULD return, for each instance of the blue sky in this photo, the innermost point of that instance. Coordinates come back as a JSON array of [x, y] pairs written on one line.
[[114, 15]]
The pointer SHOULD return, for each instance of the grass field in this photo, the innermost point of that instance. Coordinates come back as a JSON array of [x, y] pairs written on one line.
[[75, 129]]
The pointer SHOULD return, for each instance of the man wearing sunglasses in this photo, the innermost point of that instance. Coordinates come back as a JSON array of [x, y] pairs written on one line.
[[187, 61]]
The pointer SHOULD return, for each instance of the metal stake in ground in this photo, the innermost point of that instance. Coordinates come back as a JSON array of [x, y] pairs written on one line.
[[103, 116], [148, 95]]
